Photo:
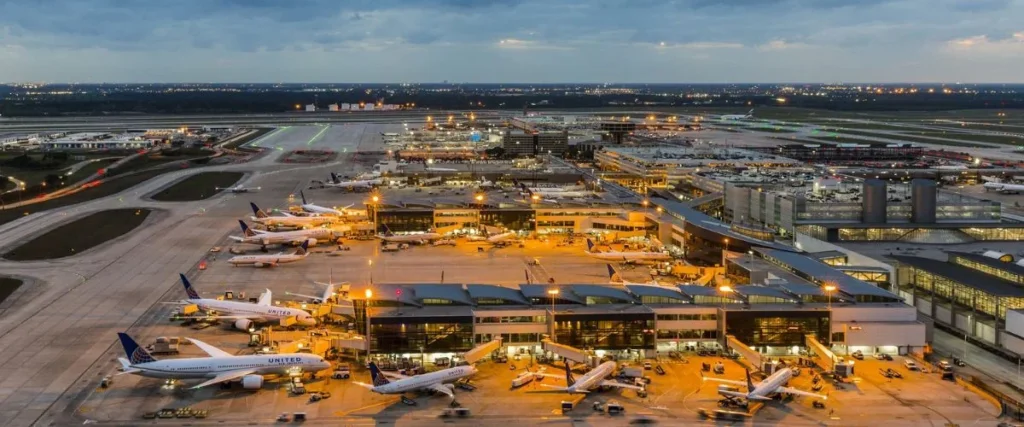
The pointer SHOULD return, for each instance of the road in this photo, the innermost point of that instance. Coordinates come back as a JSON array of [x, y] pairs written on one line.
[[997, 367]]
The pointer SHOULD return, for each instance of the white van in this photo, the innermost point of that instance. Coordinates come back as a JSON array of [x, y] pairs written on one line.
[[910, 365]]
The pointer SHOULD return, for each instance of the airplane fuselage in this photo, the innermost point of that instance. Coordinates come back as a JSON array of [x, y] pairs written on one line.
[[296, 221], [592, 379], [421, 381], [209, 367], [764, 389], [256, 312], [265, 259], [631, 256], [410, 238], [270, 238]]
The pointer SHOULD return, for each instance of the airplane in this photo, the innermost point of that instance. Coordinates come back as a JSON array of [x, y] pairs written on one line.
[[559, 194], [550, 190], [327, 295], [500, 239], [361, 184], [287, 219], [238, 189], [588, 382], [951, 167], [311, 208], [220, 366], [264, 238], [418, 239], [749, 115], [435, 381], [763, 390], [615, 278], [272, 260], [1004, 188], [626, 256], [246, 314]]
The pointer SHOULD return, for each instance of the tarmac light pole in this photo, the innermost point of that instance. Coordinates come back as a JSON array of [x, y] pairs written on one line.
[[369, 296]]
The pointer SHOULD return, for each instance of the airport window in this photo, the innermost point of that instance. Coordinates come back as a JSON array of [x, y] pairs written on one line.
[[612, 331], [647, 299], [512, 319], [437, 301], [668, 317]]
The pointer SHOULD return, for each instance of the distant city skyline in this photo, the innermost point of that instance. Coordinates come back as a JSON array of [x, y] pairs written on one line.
[[528, 41]]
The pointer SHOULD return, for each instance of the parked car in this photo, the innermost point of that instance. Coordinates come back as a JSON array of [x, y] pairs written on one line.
[[910, 365]]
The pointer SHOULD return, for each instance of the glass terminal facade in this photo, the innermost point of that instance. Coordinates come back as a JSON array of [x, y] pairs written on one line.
[[776, 328], [621, 331]]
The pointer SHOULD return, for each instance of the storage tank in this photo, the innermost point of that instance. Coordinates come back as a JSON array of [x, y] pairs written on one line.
[[874, 205], [923, 195]]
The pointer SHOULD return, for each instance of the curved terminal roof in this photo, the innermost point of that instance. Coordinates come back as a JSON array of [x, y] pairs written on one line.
[[818, 271], [541, 291], [656, 291], [513, 296], [452, 292], [753, 290], [601, 291]]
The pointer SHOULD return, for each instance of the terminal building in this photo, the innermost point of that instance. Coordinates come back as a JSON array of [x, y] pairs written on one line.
[[430, 320], [826, 152], [519, 143], [969, 294], [659, 167]]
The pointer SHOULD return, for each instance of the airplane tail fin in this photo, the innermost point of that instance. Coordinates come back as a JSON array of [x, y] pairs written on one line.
[[189, 290], [266, 299], [334, 178], [303, 248], [750, 113], [569, 380], [590, 245], [256, 211], [376, 377], [245, 229], [303, 195], [750, 384], [387, 231], [136, 354], [613, 276]]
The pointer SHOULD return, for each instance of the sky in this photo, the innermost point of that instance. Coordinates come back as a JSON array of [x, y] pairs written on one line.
[[512, 41]]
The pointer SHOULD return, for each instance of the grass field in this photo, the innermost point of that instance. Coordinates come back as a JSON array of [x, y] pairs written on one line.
[[80, 235], [107, 188], [7, 287], [996, 139], [198, 187]]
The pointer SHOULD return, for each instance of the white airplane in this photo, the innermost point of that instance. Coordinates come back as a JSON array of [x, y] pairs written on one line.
[[288, 219], [311, 208], [418, 239], [548, 190], [615, 278], [776, 383], [435, 381], [272, 260], [264, 238], [626, 256], [219, 367], [360, 184], [238, 189], [500, 239], [588, 382], [246, 314], [1004, 188], [951, 167], [327, 295], [749, 115]]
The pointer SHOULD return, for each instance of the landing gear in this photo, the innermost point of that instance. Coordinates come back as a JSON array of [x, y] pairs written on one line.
[[455, 404], [408, 401]]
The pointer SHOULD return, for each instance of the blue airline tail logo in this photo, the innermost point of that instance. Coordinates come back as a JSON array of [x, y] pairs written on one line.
[[256, 211], [189, 290], [376, 377], [245, 229], [136, 354], [303, 195]]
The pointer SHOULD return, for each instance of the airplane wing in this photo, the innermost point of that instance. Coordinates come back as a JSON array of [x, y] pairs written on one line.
[[720, 380], [236, 238], [364, 385], [440, 388], [226, 376], [209, 349], [620, 385], [791, 390], [548, 375]]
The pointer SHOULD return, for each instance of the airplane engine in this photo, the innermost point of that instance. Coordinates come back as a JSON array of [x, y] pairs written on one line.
[[252, 382], [244, 325], [311, 241]]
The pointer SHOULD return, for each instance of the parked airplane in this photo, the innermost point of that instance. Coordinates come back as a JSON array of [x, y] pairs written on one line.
[[500, 239], [589, 381], [555, 194], [775, 383], [749, 115], [951, 167], [626, 256], [419, 239], [616, 279], [238, 189], [1005, 188], [264, 238], [361, 184], [327, 295], [435, 381], [311, 208], [246, 314], [220, 366], [271, 260], [287, 219]]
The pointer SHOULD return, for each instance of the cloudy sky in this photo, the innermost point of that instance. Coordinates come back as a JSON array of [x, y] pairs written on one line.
[[512, 40]]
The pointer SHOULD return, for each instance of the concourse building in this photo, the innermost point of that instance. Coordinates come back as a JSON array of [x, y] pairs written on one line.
[[427, 321]]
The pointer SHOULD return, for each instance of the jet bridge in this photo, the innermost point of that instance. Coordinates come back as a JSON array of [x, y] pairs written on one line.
[[571, 353], [481, 351], [821, 355], [753, 357]]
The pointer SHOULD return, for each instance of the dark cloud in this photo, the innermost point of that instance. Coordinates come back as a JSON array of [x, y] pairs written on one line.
[[583, 33]]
